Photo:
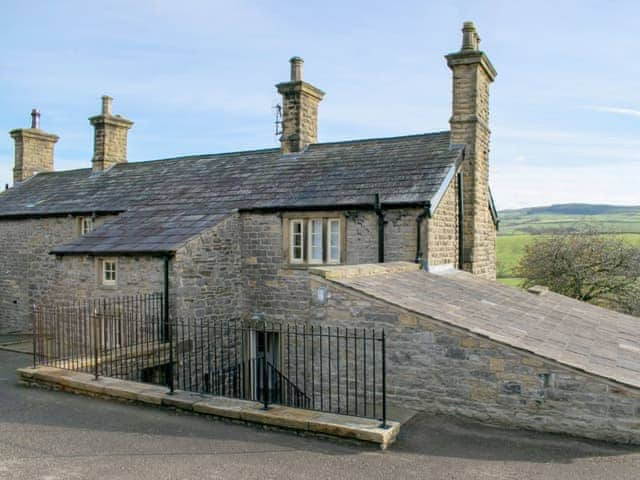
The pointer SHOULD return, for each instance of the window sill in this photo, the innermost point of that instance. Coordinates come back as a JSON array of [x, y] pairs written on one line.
[[307, 266]]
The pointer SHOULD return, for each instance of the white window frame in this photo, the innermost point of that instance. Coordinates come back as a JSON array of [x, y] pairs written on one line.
[[103, 264], [86, 225], [292, 257], [331, 259], [310, 258]]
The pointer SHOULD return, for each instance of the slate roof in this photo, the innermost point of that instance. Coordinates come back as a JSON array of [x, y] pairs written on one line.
[[166, 202], [574, 333]]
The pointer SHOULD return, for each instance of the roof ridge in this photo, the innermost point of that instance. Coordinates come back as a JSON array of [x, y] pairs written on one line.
[[397, 137], [248, 152], [199, 156]]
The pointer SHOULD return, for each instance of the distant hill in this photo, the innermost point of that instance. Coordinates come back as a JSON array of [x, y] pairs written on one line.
[[570, 217], [574, 209]]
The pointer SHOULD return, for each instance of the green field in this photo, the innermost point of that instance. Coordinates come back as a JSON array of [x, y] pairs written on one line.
[[518, 228]]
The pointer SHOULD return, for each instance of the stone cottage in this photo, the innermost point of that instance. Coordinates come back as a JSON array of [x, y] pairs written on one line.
[[249, 221], [395, 233]]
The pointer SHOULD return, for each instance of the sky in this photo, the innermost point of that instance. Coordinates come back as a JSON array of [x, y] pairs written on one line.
[[199, 76]]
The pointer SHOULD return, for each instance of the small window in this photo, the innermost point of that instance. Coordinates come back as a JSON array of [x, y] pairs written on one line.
[[85, 225], [297, 241], [333, 240], [315, 241], [109, 272]]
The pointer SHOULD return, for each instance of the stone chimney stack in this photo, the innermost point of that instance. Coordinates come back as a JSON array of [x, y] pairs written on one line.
[[300, 110], [110, 141], [472, 75], [33, 150]]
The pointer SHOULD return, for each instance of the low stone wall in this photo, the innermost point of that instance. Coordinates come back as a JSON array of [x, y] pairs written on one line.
[[246, 411], [438, 368]]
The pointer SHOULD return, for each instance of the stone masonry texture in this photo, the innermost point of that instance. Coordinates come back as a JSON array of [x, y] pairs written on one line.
[[472, 75], [441, 369], [280, 291], [232, 270], [206, 275], [33, 152], [27, 271], [110, 141], [299, 116], [442, 228]]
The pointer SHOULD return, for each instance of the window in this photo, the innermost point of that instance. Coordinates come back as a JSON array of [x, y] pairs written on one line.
[[297, 241], [314, 240], [85, 225], [333, 240], [109, 272]]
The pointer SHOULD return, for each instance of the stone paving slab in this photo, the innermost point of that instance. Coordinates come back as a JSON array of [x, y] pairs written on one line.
[[362, 429]]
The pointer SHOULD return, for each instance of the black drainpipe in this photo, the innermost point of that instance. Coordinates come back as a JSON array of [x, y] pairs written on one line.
[[424, 214], [168, 331], [460, 222], [381, 223]]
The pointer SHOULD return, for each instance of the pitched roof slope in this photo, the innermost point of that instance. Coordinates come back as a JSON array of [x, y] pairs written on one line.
[[165, 202], [574, 333]]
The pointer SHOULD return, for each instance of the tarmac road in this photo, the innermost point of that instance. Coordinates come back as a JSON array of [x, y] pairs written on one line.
[[54, 435]]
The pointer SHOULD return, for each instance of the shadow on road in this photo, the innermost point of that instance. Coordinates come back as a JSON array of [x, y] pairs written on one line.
[[437, 435]]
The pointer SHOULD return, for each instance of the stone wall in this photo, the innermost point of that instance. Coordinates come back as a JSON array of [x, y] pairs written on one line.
[[76, 277], [281, 291], [27, 270], [399, 235], [278, 292], [206, 274], [441, 369], [442, 228]]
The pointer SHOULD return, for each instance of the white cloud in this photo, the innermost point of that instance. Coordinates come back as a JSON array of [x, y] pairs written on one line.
[[615, 110], [518, 185]]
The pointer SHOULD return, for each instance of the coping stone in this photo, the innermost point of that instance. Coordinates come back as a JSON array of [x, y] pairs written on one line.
[[363, 429]]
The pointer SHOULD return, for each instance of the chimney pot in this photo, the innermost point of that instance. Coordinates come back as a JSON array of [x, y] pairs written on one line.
[[470, 38], [296, 69], [35, 118], [106, 104], [33, 150]]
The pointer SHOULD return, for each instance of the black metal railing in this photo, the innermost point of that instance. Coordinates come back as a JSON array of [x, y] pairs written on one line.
[[330, 369], [115, 337]]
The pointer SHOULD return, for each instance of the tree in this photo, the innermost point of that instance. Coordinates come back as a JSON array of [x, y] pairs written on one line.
[[588, 266]]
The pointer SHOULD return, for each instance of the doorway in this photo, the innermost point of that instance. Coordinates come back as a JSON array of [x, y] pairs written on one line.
[[265, 365]]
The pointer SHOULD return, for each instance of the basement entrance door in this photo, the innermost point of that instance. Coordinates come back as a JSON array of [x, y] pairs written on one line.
[[265, 347]]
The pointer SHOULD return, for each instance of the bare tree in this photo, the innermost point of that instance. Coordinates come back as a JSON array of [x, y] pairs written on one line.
[[588, 266]]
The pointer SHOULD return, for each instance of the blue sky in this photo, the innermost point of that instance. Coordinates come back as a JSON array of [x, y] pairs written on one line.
[[198, 77]]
